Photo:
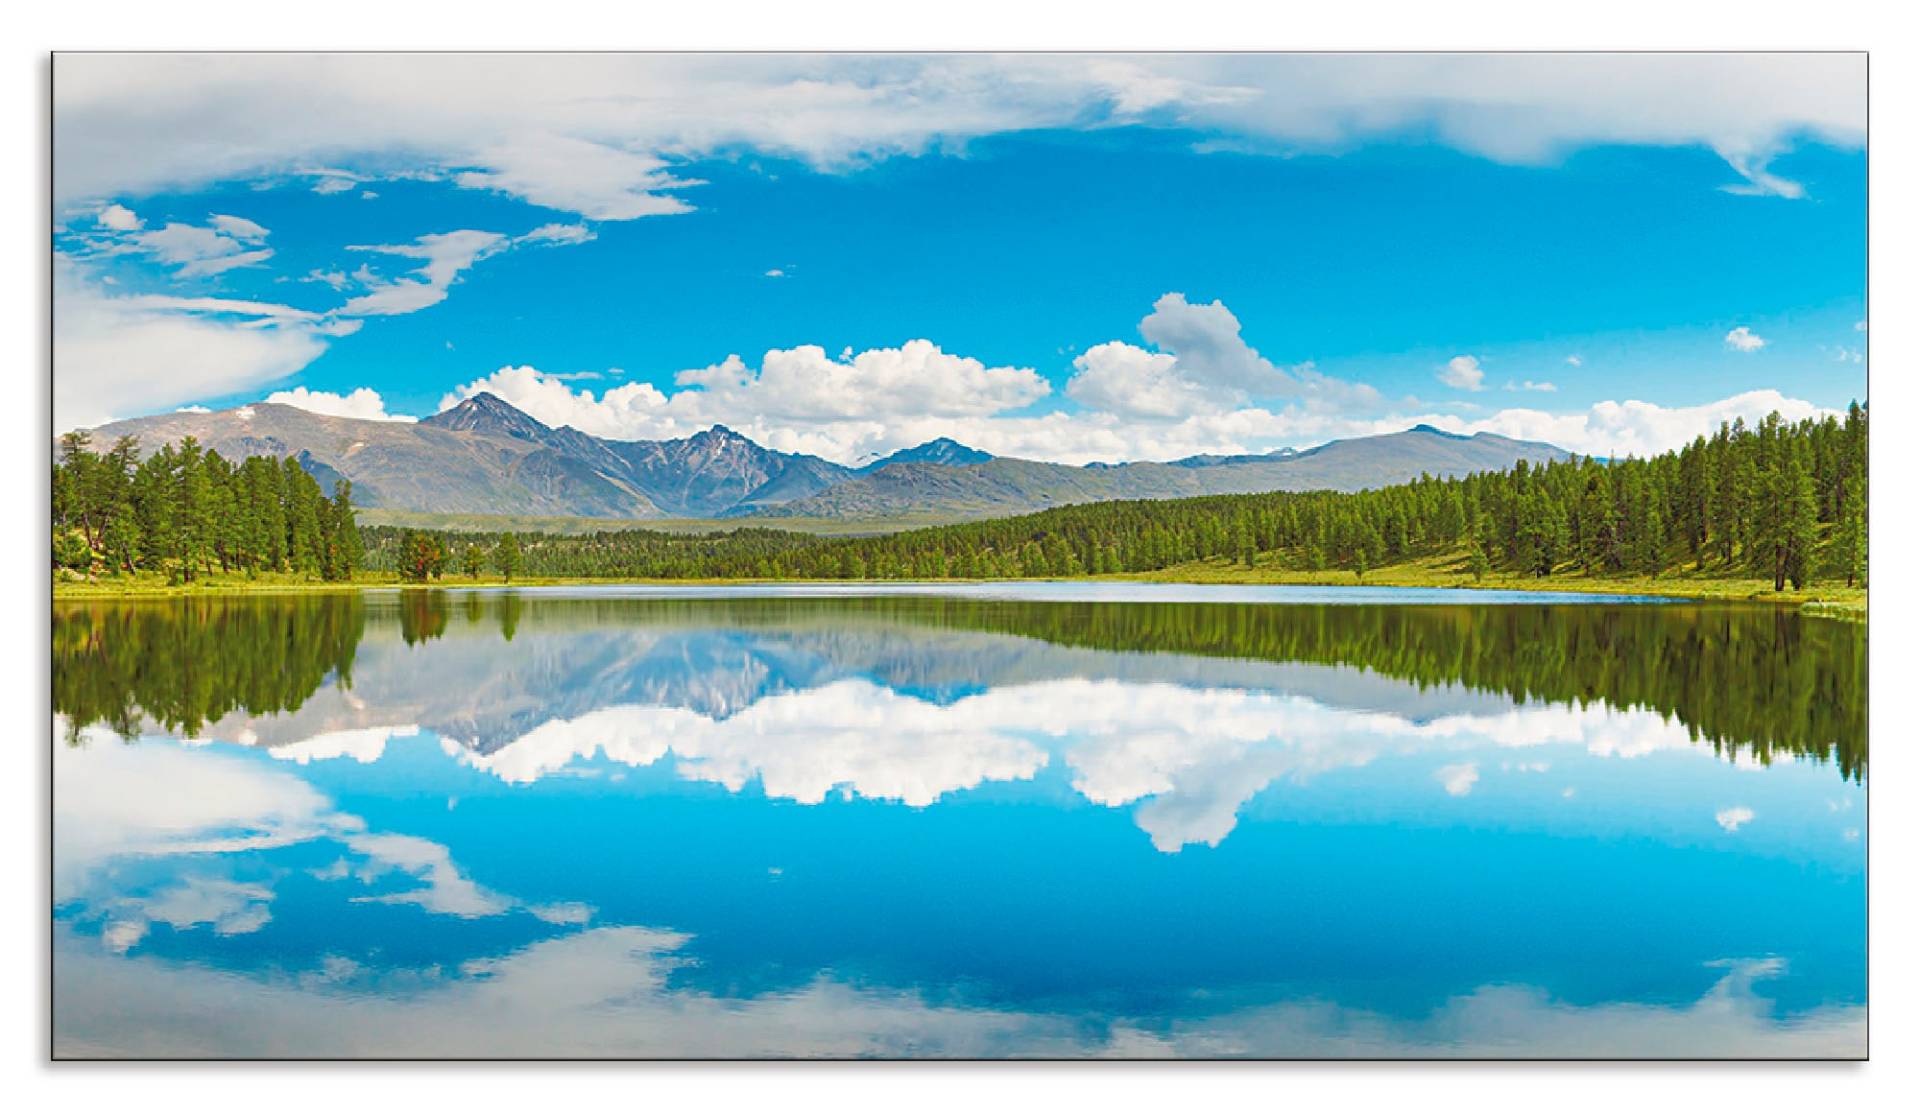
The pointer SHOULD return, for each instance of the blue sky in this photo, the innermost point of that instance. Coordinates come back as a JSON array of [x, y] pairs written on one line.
[[1173, 259]]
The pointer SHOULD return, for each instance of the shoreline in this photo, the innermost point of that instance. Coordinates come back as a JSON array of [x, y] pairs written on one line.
[[1837, 602]]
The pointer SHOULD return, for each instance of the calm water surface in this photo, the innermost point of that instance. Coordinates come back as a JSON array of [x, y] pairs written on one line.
[[1053, 820]]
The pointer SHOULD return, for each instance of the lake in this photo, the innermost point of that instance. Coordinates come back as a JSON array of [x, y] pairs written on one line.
[[1054, 820]]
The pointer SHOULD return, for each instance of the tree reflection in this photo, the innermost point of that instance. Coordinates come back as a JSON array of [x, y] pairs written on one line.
[[184, 663], [1761, 681]]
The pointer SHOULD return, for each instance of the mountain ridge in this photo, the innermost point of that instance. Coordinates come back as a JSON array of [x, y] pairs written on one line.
[[486, 456]]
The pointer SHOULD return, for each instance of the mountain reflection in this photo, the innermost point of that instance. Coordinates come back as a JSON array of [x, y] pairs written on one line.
[[319, 671]]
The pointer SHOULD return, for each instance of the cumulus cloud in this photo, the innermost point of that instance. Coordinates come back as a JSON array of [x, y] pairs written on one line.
[[594, 134], [1574, 361], [797, 399], [364, 403], [1202, 365], [1462, 372], [810, 415], [1119, 377], [1533, 387], [1733, 818], [914, 379], [1743, 339], [118, 218]]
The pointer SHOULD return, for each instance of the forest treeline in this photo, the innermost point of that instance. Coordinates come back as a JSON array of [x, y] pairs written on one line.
[[184, 511], [1786, 502], [1758, 681]]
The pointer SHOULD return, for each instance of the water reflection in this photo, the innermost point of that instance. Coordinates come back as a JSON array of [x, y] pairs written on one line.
[[454, 823], [1756, 679]]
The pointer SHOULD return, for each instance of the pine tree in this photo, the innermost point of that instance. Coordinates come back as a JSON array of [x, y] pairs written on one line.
[[1850, 535], [1802, 523], [506, 556]]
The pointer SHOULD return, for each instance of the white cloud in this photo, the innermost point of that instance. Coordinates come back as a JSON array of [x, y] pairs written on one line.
[[798, 398], [1574, 361], [364, 403], [805, 423], [1743, 339], [596, 180], [119, 218], [333, 279], [557, 235], [1203, 366], [591, 134], [327, 181], [1118, 377], [122, 357], [776, 272], [1733, 818], [443, 257], [223, 244], [1462, 372], [1635, 428], [1458, 779], [1534, 387], [239, 227]]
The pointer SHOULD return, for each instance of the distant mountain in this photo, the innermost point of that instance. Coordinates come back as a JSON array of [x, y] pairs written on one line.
[[1216, 461], [944, 450], [1002, 487], [484, 456]]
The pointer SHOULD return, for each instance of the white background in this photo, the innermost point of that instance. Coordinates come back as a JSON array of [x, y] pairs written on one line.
[[29, 1081]]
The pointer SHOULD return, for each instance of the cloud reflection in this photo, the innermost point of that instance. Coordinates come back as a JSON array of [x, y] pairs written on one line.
[[608, 992], [1190, 757]]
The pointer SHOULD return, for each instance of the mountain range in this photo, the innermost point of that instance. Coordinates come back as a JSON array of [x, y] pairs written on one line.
[[484, 456]]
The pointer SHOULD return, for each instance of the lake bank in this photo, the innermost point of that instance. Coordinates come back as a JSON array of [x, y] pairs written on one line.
[[1836, 601]]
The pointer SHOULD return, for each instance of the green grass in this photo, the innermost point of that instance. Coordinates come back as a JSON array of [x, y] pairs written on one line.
[[575, 526], [1832, 599], [149, 585], [1451, 570]]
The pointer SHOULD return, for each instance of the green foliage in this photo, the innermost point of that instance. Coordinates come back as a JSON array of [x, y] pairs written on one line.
[[506, 556], [422, 556], [1778, 500], [185, 512]]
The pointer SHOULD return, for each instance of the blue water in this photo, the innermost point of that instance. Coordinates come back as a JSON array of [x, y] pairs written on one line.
[[635, 833]]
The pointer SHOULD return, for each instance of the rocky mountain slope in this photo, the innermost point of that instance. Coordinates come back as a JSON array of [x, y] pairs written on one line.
[[484, 456], [1001, 487]]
